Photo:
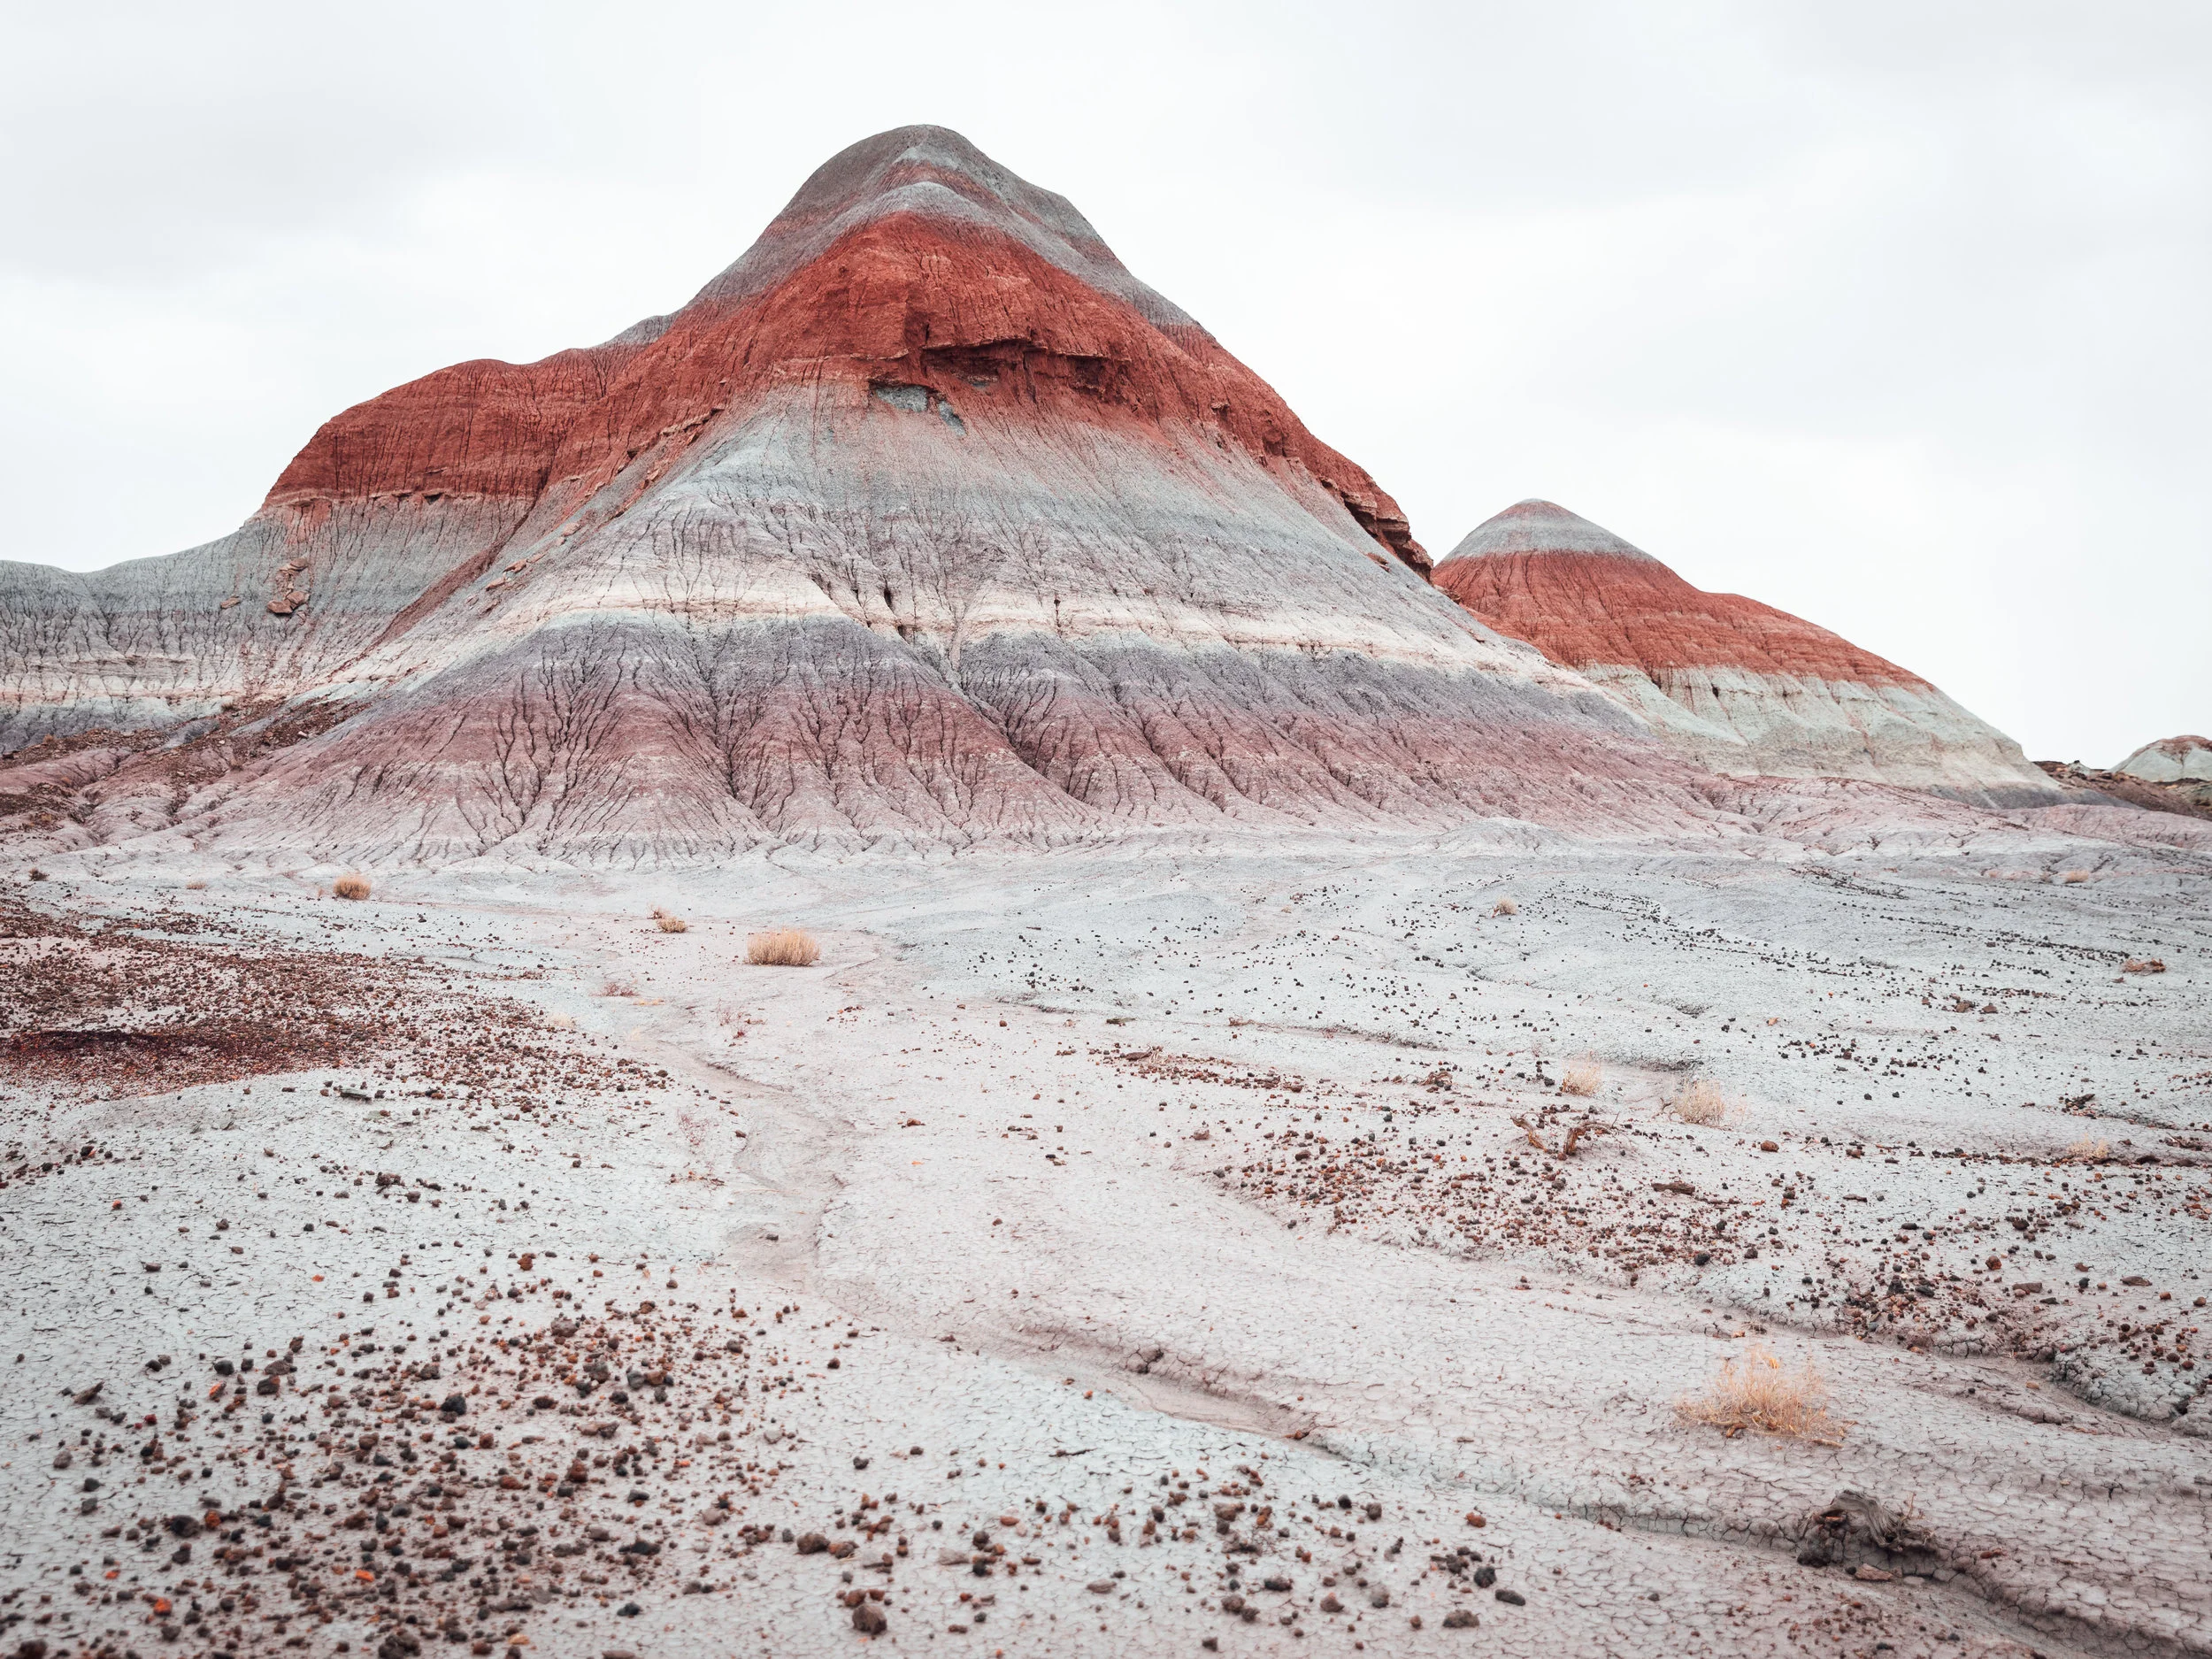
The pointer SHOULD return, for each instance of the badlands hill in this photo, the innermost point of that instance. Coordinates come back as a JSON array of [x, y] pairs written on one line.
[[1741, 686], [924, 520], [2171, 760]]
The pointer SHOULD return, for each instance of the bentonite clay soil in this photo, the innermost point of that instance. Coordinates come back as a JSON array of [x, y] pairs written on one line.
[[1112, 1253]]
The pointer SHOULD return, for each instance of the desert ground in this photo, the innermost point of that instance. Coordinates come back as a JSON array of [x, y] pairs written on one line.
[[1312, 1246]]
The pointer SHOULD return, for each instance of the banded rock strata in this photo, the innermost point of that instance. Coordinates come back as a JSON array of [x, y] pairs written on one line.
[[925, 520], [1741, 687]]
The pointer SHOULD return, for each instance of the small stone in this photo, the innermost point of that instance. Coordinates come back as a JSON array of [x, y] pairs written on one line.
[[1460, 1619], [1378, 1597], [1330, 1604], [1278, 1584], [1867, 1573], [813, 1543], [1101, 1586], [1511, 1597], [868, 1619], [1232, 1605]]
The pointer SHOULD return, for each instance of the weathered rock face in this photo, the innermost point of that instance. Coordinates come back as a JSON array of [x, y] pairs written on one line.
[[925, 520], [1741, 686], [2170, 760]]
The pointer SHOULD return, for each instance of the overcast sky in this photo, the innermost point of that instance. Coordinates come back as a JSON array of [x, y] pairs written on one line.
[[1892, 315]]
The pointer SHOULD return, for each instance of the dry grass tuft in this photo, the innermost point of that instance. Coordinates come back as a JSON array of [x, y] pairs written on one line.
[[783, 947], [1754, 1392], [1583, 1077], [669, 924], [195, 886], [1699, 1101], [2145, 965], [350, 887], [2089, 1149], [617, 988], [2073, 878], [1505, 907]]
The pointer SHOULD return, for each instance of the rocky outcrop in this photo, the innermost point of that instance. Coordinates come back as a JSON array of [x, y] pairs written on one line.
[[924, 521], [2170, 760], [2190, 797], [1741, 686]]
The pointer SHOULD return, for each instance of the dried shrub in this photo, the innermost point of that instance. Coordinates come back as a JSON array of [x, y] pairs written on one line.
[[1583, 1077], [2145, 965], [1757, 1392], [1505, 907], [1699, 1101], [2073, 878], [195, 886], [2089, 1149], [783, 947], [1588, 1129], [617, 988], [355, 885], [669, 924]]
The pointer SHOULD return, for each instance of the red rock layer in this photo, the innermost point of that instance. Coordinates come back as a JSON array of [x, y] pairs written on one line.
[[907, 296], [1587, 609], [480, 428]]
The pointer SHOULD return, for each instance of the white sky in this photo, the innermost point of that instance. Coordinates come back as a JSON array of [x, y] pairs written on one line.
[[1892, 315]]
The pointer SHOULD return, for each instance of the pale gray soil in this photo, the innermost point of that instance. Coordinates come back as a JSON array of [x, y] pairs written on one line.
[[1097, 1174]]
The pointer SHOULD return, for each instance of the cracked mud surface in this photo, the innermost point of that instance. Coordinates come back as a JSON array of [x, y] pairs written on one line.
[[1108, 1254]]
